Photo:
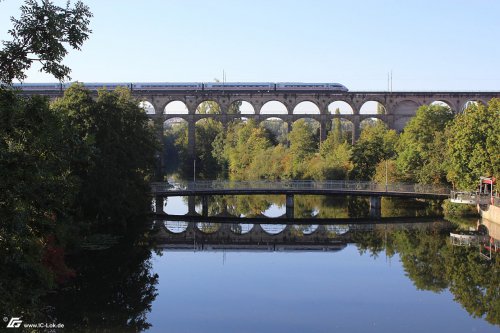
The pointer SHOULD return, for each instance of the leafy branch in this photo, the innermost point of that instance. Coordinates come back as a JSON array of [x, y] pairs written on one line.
[[42, 34]]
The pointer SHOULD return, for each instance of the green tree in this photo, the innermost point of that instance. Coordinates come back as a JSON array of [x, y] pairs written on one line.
[[113, 155], [303, 145], [335, 157], [207, 131], [42, 35], [376, 143], [473, 144], [173, 151], [277, 129], [244, 142], [209, 107], [37, 186], [422, 144], [36, 191], [380, 108], [387, 170], [234, 108], [337, 133]]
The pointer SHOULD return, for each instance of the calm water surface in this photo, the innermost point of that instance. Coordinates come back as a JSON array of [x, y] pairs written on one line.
[[381, 278], [202, 275], [341, 291]]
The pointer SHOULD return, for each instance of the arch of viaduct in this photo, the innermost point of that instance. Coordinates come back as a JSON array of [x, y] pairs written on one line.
[[398, 105]]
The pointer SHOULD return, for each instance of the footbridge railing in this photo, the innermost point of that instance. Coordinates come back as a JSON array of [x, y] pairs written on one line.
[[296, 186], [474, 198]]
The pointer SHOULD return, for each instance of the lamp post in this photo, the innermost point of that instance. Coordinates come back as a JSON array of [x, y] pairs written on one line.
[[194, 170]]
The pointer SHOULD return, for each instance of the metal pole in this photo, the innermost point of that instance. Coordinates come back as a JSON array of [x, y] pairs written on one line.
[[194, 170]]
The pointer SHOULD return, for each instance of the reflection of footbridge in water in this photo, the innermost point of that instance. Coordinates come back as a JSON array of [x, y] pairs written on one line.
[[290, 188], [243, 235]]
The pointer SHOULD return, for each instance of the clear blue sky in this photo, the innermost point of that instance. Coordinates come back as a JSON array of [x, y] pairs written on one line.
[[428, 44]]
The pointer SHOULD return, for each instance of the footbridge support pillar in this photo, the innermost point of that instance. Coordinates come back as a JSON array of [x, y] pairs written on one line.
[[158, 204], [204, 205], [375, 207], [289, 206], [191, 205]]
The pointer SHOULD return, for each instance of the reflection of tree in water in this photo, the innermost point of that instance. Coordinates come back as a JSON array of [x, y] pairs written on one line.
[[334, 231], [333, 207], [432, 263], [306, 205], [23, 279], [303, 229], [107, 290], [358, 207], [113, 290], [475, 283], [208, 227], [410, 207], [241, 228], [216, 204], [252, 205], [372, 242], [319, 206], [418, 252]]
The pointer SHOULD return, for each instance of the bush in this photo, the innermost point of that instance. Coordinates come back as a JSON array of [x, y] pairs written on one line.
[[451, 209]]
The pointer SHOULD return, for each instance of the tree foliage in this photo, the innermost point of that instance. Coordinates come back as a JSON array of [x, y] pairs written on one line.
[[42, 34], [207, 131], [303, 145], [422, 145], [472, 143], [114, 154], [244, 149], [435, 146], [376, 143], [36, 189], [433, 264]]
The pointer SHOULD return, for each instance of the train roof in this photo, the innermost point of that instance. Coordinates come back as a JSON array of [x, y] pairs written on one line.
[[187, 84]]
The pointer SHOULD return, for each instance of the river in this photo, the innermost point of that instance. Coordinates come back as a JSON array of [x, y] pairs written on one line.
[[241, 269]]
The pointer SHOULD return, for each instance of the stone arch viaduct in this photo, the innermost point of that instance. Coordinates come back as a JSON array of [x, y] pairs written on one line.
[[398, 107]]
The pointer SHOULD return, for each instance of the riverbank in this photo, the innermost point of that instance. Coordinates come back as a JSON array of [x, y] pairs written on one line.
[[489, 212]]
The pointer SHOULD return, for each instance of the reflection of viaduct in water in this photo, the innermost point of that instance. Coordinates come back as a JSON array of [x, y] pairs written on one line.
[[179, 235]]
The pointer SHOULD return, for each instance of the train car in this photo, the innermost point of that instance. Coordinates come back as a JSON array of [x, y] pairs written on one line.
[[167, 86], [301, 86], [253, 86], [339, 87], [37, 86], [102, 85]]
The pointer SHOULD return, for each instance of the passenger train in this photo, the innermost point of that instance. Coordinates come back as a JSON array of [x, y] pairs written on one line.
[[193, 86]]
